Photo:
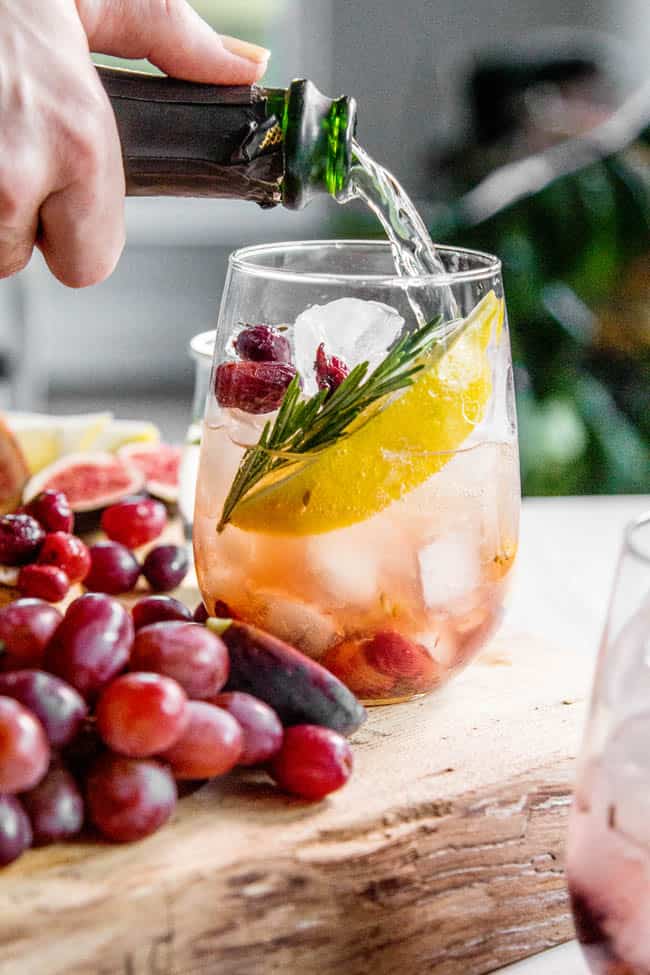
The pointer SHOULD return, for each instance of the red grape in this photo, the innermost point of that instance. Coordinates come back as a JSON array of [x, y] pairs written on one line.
[[66, 552], [262, 343], [21, 537], [15, 830], [142, 714], [26, 627], [260, 724], [55, 807], [24, 751], [210, 745], [91, 646], [59, 708], [200, 614], [312, 762], [188, 652], [129, 798], [113, 569], [43, 582], [134, 522], [165, 567], [158, 609], [255, 387], [52, 510]]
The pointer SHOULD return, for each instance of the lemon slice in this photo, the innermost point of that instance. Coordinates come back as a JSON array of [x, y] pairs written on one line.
[[44, 438], [394, 452]]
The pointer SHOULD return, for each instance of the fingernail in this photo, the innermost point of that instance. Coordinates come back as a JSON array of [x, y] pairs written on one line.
[[244, 49]]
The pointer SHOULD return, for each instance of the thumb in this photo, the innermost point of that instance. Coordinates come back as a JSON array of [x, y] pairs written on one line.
[[171, 35]]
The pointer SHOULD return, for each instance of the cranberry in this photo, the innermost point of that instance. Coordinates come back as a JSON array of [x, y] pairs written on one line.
[[262, 343], [66, 552], [43, 582], [391, 653], [134, 522], [165, 567], [52, 509], [113, 569], [255, 387], [158, 609], [312, 762], [330, 370], [21, 537]]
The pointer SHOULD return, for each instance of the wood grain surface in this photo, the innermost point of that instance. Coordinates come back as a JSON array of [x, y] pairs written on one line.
[[443, 854]]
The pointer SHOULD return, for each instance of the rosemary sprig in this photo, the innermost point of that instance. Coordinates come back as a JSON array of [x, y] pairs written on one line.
[[305, 427]]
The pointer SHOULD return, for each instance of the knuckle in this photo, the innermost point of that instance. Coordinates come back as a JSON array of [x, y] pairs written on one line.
[[18, 192], [88, 137]]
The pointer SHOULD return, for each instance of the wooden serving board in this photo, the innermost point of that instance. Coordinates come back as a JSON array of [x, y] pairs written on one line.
[[443, 854]]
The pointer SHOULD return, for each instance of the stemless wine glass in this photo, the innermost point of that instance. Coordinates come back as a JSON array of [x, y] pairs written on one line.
[[373, 527], [609, 834]]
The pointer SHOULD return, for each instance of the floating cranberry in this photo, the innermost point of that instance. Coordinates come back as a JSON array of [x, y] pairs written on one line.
[[134, 522], [393, 654], [262, 343], [330, 370], [165, 567], [43, 582], [254, 387], [21, 537], [52, 510], [312, 762], [66, 552]]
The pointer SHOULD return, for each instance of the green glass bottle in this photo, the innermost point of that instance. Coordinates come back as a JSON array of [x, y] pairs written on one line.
[[270, 145]]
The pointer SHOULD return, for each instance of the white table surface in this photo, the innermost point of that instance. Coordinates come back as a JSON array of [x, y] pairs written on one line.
[[566, 565]]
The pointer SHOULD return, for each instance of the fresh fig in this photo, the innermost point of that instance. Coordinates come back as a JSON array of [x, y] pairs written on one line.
[[13, 470], [160, 465], [295, 686], [91, 480]]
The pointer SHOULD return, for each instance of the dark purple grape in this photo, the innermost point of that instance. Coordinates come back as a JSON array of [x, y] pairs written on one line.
[[114, 569], [158, 609], [60, 709], [92, 644], [165, 567], [52, 510], [15, 830], [21, 537], [26, 627], [129, 798], [262, 343], [55, 807]]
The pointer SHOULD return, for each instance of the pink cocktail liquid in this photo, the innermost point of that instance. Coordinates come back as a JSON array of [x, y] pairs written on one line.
[[393, 605], [609, 877]]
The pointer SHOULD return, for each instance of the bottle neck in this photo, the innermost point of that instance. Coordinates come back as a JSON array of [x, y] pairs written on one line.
[[264, 144]]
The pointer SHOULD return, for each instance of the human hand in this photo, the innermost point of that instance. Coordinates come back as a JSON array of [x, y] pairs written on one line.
[[61, 175]]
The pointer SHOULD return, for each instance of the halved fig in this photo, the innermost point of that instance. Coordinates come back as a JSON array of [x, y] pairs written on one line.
[[91, 481], [160, 465]]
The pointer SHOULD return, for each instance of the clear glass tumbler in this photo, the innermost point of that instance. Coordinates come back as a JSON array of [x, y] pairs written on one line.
[[609, 833], [358, 491]]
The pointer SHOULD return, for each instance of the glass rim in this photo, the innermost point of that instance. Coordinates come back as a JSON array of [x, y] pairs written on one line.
[[632, 543], [241, 260]]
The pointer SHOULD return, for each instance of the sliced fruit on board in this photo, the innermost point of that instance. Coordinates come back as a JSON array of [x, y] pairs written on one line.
[[160, 463], [298, 689], [90, 480], [13, 470], [44, 438], [121, 432]]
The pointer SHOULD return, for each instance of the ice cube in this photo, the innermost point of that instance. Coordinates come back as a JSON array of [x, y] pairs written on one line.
[[626, 771], [301, 624], [450, 568], [344, 566], [350, 328]]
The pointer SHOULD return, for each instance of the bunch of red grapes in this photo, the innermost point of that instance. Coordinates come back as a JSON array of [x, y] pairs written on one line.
[[104, 711], [38, 543]]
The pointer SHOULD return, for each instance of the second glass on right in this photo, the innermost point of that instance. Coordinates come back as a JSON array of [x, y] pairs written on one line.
[[370, 521], [609, 836]]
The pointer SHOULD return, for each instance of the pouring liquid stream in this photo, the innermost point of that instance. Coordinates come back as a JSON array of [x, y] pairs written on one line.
[[414, 252]]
